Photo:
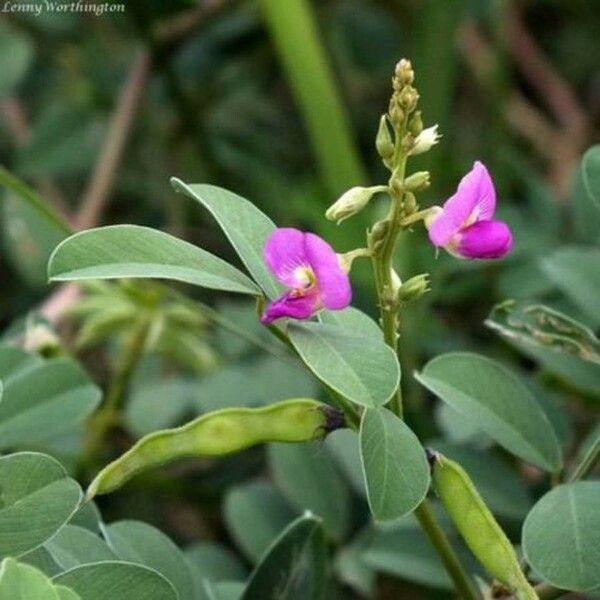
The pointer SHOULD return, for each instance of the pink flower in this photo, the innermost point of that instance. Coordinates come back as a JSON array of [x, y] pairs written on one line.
[[308, 266], [465, 226]]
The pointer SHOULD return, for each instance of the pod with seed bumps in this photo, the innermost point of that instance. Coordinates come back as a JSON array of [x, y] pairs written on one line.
[[477, 526], [219, 433]]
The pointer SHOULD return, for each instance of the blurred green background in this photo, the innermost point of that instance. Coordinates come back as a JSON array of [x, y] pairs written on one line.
[[279, 101]]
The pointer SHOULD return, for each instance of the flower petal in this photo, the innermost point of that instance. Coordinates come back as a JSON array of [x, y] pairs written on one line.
[[332, 281], [284, 254], [484, 239], [486, 203], [474, 200], [291, 305]]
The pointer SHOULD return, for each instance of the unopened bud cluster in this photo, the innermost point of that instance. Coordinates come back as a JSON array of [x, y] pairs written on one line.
[[400, 135]]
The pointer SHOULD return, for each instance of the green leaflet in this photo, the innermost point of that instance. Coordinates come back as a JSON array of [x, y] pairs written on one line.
[[122, 251], [218, 433], [561, 536], [394, 465]]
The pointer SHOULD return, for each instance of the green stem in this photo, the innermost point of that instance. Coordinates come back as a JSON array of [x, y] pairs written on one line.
[[382, 259], [589, 462], [449, 558], [108, 415]]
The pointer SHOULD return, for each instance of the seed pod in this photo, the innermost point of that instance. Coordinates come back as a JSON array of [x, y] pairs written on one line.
[[218, 433], [477, 525]]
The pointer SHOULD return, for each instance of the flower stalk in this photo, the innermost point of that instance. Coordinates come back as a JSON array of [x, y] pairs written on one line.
[[382, 241]]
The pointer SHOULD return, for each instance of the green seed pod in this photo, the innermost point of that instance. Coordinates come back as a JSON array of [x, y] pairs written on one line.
[[218, 433], [477, 525]]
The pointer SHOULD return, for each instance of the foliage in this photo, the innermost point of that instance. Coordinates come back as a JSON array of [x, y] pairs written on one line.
[[144, 366]]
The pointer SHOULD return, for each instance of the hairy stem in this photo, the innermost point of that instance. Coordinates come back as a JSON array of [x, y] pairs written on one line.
[[449, 558], [108, 415], [382, 260]]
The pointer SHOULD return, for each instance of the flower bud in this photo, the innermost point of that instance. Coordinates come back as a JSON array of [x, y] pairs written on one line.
[[414, 288], [433, 213], [410, 203], [416, 124], [378, 234], [404, 72], [396, 113], [425, 140], [417, 182], [408, 98], [383, 141], [351, 202]]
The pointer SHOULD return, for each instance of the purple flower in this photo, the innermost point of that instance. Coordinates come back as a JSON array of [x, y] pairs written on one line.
[[308, 266], [465, 226]]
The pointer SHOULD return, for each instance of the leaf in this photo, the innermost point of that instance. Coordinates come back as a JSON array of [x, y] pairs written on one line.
[[73, 546], [36, 500], [211, 562], [146, 410], [224, 590], [591, 173], [488, 394], [124, 580], [16, 54], [64, 593], [65, 140], [88, 517], [255, 514], [56, 393], [140, 543], [351, 569], [299, 471], [120, 251], [265, 380], [394, 465], [407, 553], [540, 325], [574, 270], [14, 360], [30, 228], [561, 536], [28, 238], [367, 374], [344, 447], [354, 320], [586, 216], [246, 227], [294, 566], [42, 560], [24, 582]]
